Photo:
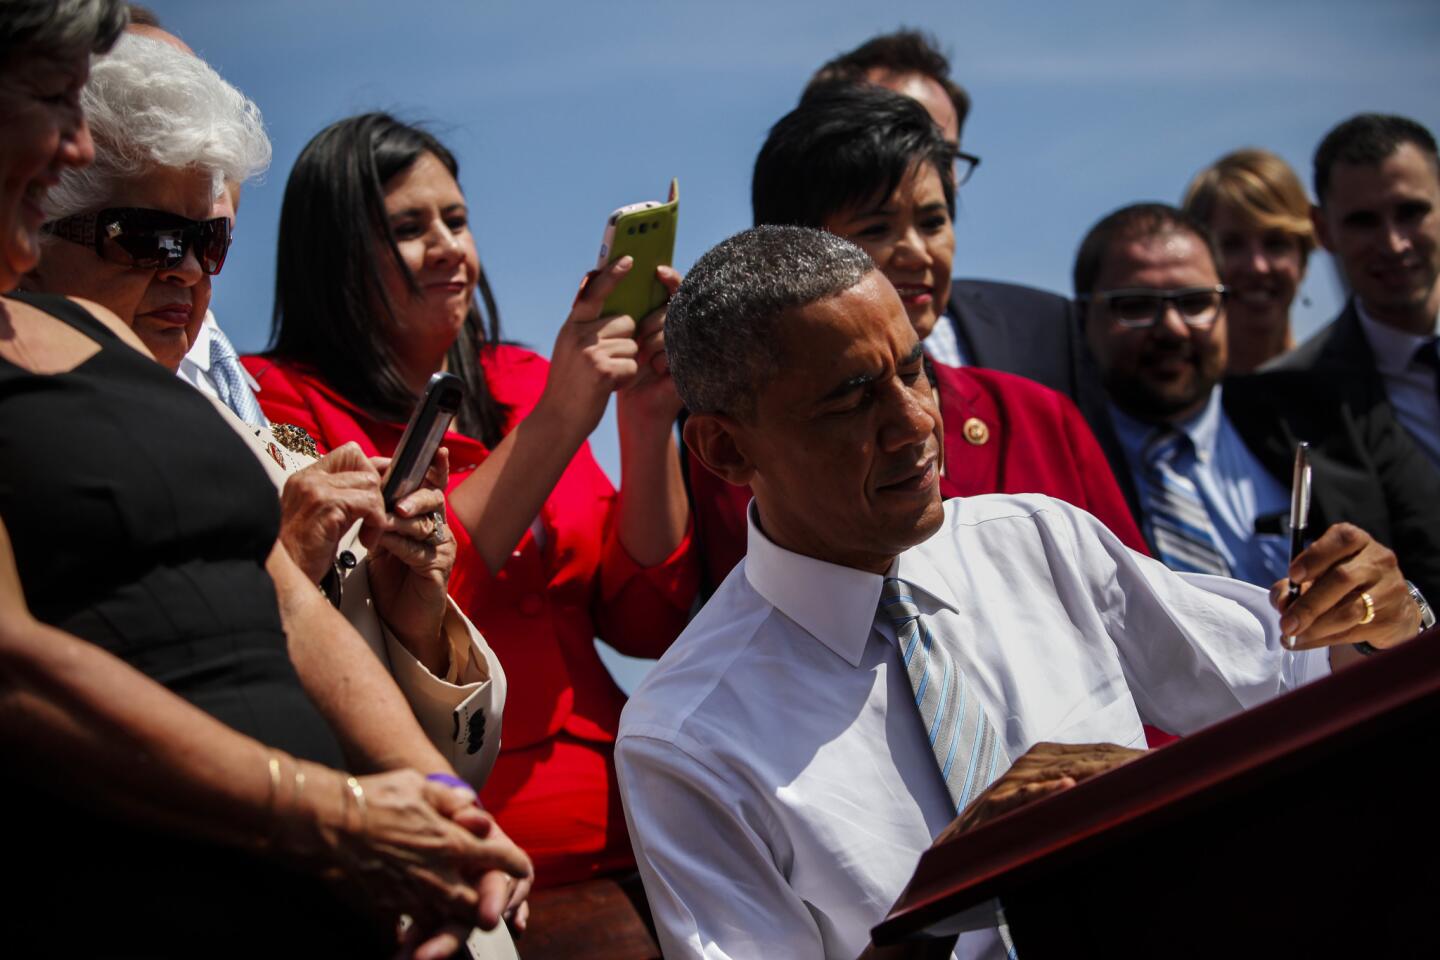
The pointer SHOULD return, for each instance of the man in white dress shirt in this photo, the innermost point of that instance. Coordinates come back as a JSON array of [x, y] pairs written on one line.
[[779, 773]]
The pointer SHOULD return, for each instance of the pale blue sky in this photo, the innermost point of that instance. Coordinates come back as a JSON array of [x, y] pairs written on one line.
[[559, 112]]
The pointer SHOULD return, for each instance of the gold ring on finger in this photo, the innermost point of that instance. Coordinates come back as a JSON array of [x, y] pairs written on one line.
[[1369, 608]]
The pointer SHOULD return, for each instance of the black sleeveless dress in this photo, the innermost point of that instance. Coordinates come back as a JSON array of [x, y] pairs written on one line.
[[142, 524]]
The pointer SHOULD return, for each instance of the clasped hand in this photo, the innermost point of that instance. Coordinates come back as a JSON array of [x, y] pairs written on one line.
[[427, 850]]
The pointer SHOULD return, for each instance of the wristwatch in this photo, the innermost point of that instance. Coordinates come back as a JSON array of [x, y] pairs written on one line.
[[1427, 618], [1427, 615]]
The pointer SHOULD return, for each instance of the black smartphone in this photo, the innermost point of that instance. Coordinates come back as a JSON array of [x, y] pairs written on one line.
[[422, 437]]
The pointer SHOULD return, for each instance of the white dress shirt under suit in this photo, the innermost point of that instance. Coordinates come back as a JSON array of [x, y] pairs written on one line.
[[777, 783]]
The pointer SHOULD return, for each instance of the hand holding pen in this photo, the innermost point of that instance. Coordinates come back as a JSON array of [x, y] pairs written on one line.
[[1299, 508], [1356, 593]]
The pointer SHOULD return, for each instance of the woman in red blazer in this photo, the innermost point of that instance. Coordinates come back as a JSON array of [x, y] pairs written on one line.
[[869, 165], [550, 554]]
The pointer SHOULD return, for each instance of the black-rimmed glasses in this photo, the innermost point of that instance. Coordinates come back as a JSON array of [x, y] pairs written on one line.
[[147, 239], [965, 164], [1140, 308]]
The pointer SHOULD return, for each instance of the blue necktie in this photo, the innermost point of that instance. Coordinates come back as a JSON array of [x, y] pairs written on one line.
[[965, 743], [1180, 526], [230, 383]]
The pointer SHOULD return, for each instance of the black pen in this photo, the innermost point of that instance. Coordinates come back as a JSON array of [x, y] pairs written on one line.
[[1299, 507]]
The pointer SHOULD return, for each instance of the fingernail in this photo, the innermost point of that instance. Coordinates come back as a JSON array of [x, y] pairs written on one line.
[[625, 262]]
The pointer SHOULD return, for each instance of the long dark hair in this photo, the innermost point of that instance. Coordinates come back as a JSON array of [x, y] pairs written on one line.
[[328, 287]]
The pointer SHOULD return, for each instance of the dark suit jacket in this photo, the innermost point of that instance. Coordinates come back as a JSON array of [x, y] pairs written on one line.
[[1035, 334], [1338, 348], [1367, 469]]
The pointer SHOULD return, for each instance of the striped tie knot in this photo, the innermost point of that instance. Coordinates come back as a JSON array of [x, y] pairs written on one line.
[[897, 603], [1167, 447]]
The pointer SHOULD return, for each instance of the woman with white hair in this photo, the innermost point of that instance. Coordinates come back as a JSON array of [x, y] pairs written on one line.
[[143, 228], [172, 788], [141, 231]]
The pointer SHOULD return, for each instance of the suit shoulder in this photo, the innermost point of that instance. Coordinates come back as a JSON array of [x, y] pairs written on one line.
[[1339, 345], [1011, 295], [1307, 356]]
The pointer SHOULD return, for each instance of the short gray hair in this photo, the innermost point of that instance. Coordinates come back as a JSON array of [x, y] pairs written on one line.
[[150, 105], [58, 28], [721, 329]]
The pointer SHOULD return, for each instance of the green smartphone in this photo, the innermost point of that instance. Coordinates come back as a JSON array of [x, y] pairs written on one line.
[[645, 231]]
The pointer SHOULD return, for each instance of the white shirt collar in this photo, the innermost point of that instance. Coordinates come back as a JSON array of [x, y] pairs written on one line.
[[1203, 428], [836, 605], [1394, 349]]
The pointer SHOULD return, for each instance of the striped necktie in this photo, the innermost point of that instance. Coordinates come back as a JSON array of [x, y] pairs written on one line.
[[966, 745], [1180, 526], [229, 379]]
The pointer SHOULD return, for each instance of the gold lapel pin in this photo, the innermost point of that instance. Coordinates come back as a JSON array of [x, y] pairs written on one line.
[[976, 431]]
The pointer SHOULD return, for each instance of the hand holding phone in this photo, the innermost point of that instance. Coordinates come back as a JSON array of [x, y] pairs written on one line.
[[422, 436], [646, 232]]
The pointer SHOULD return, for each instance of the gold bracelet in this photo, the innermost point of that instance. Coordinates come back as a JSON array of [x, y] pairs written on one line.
[[358, 792], [268, 837]]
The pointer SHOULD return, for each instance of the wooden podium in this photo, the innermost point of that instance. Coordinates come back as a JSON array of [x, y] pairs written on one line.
[[1301, 828]]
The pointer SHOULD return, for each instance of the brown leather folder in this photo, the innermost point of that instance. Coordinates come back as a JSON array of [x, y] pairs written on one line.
[[1308, 826]]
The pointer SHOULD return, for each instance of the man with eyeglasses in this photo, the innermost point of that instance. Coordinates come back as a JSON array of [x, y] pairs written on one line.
[[1211, 461], [1002, 326]]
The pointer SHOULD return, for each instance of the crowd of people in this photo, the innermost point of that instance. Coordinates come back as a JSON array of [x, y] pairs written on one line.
[[932, 549]]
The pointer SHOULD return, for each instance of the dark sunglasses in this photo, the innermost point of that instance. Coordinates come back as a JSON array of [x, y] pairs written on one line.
[[147, 239]]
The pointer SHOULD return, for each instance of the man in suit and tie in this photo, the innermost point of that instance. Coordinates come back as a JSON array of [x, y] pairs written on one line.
[[1211, 460], [1002, 326], [1377, 180]]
